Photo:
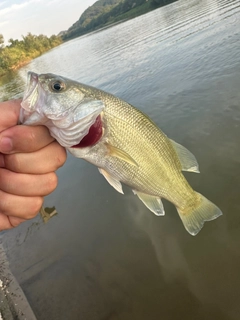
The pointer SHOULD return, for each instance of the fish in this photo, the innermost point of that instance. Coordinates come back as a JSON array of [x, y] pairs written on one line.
[[123, 142]]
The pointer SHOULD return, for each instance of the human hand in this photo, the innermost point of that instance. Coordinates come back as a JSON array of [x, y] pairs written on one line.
[[28, 158]]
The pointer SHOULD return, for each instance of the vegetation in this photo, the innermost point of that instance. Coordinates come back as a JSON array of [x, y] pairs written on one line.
[[105, 12], [20, 52], [100, 14]]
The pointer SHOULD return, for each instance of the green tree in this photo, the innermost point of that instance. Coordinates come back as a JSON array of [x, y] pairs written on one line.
[[19, 52], [13, 43], [1, 41]]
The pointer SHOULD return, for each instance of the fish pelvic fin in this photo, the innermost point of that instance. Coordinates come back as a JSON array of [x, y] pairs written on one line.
[[111, 180], [153, 203], [118, 153], [187, 159], [193, 221]]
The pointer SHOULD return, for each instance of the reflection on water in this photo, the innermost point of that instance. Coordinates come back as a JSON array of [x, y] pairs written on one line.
[[105, 256], [11, 86]]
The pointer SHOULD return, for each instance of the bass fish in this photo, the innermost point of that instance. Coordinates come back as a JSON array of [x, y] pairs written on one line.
[[121, 141]]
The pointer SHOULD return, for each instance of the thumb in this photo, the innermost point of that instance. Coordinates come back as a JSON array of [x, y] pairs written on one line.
[[9, 113]]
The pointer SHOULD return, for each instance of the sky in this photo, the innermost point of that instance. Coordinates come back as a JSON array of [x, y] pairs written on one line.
[[18, 17]]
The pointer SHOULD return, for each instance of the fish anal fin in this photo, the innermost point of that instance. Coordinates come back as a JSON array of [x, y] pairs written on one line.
[[111, 180], [187, 159], [194, 220], [118, 153], [153, 203]]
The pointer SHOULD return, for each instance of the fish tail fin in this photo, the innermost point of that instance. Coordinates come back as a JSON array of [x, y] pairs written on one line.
[[194, 220]]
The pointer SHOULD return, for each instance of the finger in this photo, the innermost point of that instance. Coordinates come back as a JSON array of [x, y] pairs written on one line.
[[9, 222], [2, 161], [24, 139], [46, 160], [9, 113], [19, 207], [27, 184]]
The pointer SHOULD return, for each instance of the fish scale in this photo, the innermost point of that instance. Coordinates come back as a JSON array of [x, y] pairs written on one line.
[[152, 145], [131, 150]]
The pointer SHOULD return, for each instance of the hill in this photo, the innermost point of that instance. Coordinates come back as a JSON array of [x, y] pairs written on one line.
[[105, 12]]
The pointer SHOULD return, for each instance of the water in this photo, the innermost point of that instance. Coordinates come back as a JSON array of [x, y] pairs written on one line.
[[105, 256]]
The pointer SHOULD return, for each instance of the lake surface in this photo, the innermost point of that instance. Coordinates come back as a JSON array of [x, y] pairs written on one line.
[[105, 256]]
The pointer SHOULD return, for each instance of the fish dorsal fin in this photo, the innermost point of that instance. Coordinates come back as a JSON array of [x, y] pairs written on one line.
[[153, 203], [187, 159], [111, 180], [118, 153]]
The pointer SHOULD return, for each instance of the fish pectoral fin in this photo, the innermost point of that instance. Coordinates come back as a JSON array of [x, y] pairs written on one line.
[[111, 180], [118, 153], [153, 203], [187, 159]]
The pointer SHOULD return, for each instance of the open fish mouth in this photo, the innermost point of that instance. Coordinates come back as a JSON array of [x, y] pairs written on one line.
[[31, 99], [31, 93], [68, 119]]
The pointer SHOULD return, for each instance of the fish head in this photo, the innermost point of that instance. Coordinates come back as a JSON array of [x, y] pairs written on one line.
[[61, 105]]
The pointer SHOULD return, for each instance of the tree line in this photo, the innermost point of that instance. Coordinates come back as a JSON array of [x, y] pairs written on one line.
[[101, 13], [19, 52]]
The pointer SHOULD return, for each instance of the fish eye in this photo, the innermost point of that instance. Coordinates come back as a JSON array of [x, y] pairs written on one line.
[[58, 86]]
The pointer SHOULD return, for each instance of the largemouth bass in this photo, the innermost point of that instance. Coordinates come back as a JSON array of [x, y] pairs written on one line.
[[121, 141]]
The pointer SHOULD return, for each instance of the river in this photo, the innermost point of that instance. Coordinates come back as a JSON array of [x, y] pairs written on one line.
[[105, 256]]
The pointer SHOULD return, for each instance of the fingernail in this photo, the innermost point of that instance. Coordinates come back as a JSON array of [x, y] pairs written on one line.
[[6, 145]]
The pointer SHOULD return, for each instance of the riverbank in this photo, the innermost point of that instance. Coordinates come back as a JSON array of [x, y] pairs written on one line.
[[20, 52], [13, 303], [16, 67]]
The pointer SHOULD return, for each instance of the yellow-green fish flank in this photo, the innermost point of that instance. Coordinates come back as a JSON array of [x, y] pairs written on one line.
[[121, 141]]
